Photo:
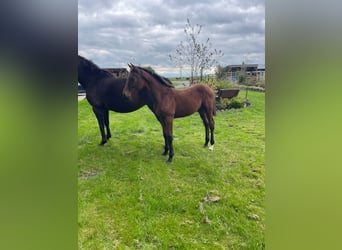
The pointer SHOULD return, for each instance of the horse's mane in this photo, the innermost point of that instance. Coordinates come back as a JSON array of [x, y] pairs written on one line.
[[92, 68], [160, 79]]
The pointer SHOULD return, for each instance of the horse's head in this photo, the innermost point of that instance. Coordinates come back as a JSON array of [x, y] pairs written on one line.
[[84, 68], [134, 84], [89, 72], [81, 61]]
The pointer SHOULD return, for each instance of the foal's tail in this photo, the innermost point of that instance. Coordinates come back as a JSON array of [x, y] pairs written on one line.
[[214, 108]]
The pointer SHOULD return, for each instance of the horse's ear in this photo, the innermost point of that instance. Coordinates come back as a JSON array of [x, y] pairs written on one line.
[[130, 65]]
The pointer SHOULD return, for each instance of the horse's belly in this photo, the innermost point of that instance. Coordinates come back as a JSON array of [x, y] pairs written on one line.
[[124, 109], [186, 106], [183, 111], [123, 106]]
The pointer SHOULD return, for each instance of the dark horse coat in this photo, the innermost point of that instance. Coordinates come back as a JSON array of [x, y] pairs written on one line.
[[104, 93]]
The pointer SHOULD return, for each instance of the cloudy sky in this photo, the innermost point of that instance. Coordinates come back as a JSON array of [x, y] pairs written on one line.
[[113, 33]]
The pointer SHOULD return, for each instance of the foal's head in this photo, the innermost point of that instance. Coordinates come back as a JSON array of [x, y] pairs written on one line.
[[140, 80], [134, 83]]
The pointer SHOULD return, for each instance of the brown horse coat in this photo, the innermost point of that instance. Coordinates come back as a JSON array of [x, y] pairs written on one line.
[[168, 103]]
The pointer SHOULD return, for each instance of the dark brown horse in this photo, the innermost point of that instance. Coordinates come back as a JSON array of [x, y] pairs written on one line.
[[168, 103], [104, 93]]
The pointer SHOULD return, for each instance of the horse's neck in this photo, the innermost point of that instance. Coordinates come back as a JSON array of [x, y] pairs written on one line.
[[157, 91], [87, 81]]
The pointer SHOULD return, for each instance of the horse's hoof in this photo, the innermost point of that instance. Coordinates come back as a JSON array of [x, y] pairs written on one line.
[[102, 143], [211, 147], [165, 153], [169, 160]]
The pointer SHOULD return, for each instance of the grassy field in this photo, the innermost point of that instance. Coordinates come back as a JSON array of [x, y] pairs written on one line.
[[129, 198]]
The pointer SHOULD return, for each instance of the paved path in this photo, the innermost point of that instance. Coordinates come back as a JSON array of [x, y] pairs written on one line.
[[81, 97]]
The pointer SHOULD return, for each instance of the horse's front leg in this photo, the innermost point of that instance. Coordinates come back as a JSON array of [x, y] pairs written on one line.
[[166, 123], [171, 153], [106, 122], [169, 136], [99, 113], [166, 147]]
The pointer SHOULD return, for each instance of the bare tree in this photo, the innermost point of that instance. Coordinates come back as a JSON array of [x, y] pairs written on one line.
[[207, 56], [219, 72], [199, 56]]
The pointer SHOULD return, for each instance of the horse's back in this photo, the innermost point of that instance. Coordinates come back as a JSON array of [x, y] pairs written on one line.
[[205, 89], [191, 99], [198, 91]]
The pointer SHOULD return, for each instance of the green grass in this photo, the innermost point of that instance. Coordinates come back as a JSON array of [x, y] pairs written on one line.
[[129, 198]]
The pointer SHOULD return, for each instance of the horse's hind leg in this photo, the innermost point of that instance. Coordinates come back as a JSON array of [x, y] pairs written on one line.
[[212, 128], [206, 125], [106, 122], [99, 113], [209, 114]]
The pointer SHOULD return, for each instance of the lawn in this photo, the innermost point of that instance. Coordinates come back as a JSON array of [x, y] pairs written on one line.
[[130, 198]]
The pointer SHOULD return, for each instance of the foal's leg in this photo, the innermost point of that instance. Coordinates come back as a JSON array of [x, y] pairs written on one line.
[[209, 114], [99, 113], [106, 122], [212, 127], [171, 153], [206, 125], [166, 147], [167, 129]]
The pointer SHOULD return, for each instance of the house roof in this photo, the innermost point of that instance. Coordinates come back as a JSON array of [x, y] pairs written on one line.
[[238, 67], [235, 68]]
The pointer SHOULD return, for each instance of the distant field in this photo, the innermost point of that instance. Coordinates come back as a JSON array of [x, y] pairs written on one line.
[[129, 198]]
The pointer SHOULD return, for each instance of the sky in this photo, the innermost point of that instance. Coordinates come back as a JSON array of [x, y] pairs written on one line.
[[113, 33]]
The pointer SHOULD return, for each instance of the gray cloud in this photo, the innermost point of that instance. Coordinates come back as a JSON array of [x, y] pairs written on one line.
[[113, 33]]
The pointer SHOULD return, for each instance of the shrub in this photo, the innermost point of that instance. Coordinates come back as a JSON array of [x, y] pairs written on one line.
[[242, 77], [221, 84], [260, 84], [224, 85], [234, 103], [223, 103], [252, 88], [255, 88]]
